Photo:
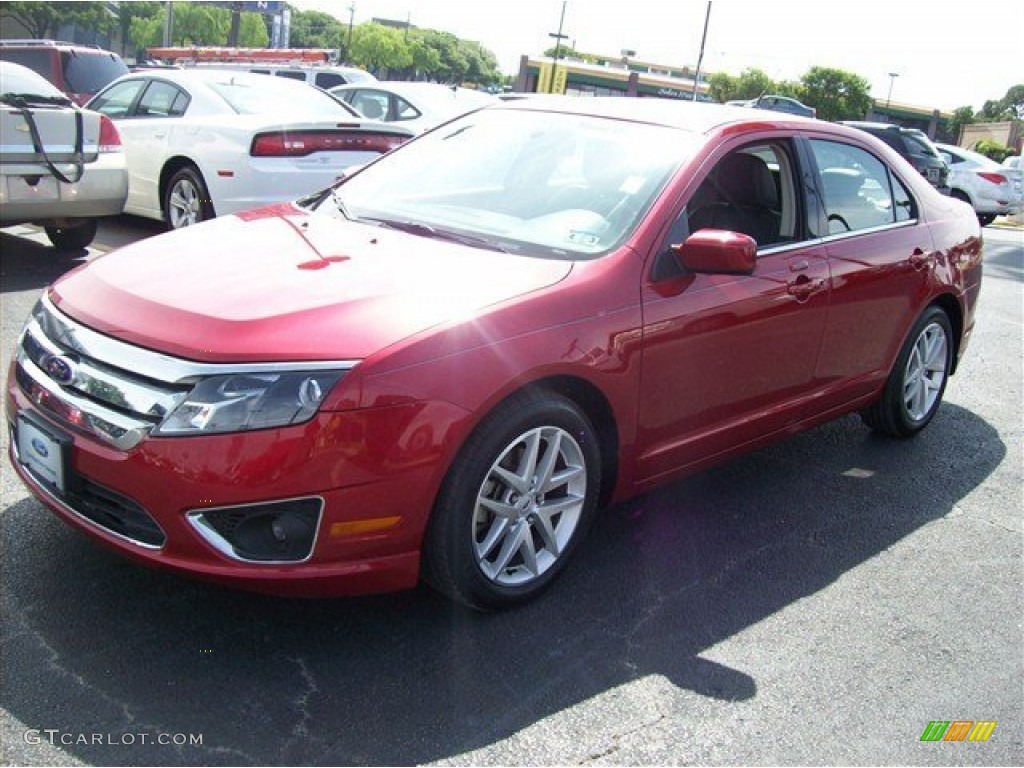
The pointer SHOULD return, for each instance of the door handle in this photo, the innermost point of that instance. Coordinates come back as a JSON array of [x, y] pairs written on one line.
[[799, 266], [804, 289]]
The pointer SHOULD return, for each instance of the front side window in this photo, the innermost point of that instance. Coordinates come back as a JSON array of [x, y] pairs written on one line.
[[116, 101], [858, 190], [752, 191]]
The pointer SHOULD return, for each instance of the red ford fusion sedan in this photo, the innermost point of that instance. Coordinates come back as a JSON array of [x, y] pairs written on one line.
[[443, 366]]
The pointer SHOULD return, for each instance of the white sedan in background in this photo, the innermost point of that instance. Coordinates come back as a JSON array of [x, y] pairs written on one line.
[[205, 143], [990, 188], [416, 105]]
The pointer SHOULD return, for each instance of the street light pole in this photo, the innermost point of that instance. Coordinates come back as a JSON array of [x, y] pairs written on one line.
[[700, 56], [892, 79], [348, 42], [559, 37]]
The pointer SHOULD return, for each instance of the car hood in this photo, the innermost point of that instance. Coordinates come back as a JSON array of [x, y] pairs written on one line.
[[279, 285]]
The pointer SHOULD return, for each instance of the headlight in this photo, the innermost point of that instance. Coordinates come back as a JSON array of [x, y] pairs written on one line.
[[243, 401]]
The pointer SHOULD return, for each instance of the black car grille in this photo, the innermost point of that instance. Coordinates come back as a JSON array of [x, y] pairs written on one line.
[[114, 512]]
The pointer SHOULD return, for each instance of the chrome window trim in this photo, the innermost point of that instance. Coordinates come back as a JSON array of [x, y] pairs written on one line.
[[160, 366], [868, 231], [209, 534]]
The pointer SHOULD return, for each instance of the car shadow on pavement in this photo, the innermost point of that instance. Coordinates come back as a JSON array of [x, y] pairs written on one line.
[[96, 645], [27, 265]]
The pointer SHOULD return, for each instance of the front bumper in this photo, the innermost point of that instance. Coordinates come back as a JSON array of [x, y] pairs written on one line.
[[374, 484]]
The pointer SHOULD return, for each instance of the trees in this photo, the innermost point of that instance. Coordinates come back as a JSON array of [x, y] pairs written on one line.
[[837, 95], [42, 20], [315, 29], [750, 84], [194, 24]]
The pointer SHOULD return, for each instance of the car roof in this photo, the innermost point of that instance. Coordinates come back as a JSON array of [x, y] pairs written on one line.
[[696, 116]]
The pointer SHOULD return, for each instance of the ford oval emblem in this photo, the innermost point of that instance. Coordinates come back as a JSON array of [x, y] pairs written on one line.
[[63, 370], [39, 446]]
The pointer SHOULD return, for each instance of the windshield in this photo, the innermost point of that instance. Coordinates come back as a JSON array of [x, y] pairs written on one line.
[[264, 94], [530, 182]]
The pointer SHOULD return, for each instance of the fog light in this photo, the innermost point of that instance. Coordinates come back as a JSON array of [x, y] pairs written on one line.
[[277, 532]]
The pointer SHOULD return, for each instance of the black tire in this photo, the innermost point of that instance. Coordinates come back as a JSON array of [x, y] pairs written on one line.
[[482, 512], [986, 218], [914, 389], [186, 199], [73, 238]]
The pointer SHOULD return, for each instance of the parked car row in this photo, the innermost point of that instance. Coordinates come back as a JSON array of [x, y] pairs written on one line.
[[208, 142]]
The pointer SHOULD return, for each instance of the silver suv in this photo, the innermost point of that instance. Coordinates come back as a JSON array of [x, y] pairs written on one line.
[[60, 166]]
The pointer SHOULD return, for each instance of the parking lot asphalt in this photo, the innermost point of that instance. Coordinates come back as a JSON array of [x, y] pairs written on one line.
[[820, 601]]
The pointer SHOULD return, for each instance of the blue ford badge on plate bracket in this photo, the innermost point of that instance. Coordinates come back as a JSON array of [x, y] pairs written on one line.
[[61, 369], [39, 446]]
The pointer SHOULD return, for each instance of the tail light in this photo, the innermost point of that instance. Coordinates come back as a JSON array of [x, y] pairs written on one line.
[[302, 143], [110, 139], [994, 178]]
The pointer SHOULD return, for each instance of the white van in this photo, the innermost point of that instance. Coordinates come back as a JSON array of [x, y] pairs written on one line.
[[321, 75]]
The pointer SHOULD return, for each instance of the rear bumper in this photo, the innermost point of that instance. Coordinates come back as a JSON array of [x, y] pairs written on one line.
[[32, 194]]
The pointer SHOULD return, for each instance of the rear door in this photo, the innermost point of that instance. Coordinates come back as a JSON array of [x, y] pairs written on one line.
[[880, 258]]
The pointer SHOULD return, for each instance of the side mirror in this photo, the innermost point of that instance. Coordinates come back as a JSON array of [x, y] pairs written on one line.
[[717, 251]]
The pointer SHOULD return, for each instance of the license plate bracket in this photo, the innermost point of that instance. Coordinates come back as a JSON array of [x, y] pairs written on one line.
[[45, 453]]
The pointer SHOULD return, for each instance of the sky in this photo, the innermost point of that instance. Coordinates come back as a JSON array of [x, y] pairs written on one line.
[[944, 55]]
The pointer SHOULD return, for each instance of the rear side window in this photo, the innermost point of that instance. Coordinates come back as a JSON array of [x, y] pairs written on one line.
[[327, 80], [291, 74], [858, 190], [162, 100], [38, 60], [917, 146], [88, 73]]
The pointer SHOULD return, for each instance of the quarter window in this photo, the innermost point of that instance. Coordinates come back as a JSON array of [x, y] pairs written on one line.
[[858, 190]]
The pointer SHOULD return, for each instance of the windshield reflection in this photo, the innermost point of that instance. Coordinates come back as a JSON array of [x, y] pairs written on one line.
[[535, 183]]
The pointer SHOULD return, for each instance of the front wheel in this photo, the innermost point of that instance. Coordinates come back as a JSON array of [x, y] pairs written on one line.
[[516, 502], [186, 199], [986, 218], [914, 389]]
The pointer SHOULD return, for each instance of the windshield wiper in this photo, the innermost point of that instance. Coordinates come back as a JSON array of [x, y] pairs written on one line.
[[314, 200], [426, 230]]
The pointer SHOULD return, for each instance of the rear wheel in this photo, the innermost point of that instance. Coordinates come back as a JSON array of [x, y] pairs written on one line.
[[917, 381], [986, 218], [186, 199], [516, 502], [74, 237]]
